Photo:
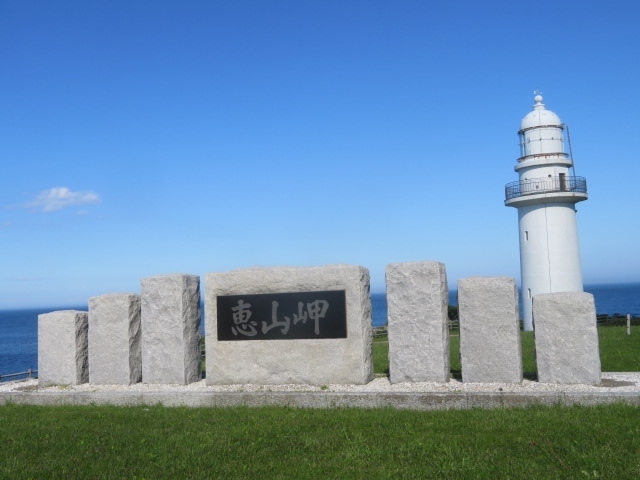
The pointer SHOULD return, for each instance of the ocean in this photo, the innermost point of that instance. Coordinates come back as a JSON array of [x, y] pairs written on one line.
[[19, 328]]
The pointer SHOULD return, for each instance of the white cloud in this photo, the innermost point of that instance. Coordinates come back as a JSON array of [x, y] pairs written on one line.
[[58, 198]]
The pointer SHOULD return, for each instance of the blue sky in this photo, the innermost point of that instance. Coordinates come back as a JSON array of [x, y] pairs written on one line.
[[151, 137]]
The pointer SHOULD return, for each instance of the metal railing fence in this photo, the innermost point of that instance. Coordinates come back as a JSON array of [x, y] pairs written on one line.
[[28, 374], [545, 185]]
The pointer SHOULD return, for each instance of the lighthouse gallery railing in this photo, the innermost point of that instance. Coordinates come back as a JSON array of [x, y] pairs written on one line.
[[545, 185]]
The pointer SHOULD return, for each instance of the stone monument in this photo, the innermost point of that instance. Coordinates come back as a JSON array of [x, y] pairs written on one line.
[[304, 325], [490, 349], [417, 305], [62, 348], [170, 314], [114, 339], [566, 336]]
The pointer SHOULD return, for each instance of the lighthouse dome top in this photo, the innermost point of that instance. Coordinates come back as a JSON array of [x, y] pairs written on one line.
[[540, 116]]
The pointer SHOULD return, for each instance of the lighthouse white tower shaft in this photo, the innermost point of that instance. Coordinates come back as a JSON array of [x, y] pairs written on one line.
[[545, 196], [548, 260]]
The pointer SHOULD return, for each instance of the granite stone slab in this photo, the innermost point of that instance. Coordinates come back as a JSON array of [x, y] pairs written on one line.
[[299, 361], [170, 313], [115, 356], [63, 348], [490, 348], [566, 338], [417, 306]]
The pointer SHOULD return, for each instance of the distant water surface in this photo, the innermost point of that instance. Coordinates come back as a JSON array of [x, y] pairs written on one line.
[[19, 340], [609, 299], [616, 298]]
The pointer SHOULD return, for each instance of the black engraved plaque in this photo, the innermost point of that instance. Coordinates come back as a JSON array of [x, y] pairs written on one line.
[[282, 316]]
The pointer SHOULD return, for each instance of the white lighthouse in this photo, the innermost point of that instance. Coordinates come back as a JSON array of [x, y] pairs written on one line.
[[545, 196]]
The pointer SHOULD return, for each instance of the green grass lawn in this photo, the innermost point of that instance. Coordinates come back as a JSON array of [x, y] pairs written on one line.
[[95, 442], [619, 352]]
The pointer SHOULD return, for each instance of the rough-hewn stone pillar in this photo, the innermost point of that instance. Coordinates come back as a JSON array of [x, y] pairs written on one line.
[[566, 336], [62, 348], [417, 306], [490, 349], [171, 329], [114, 339], [285, 343]]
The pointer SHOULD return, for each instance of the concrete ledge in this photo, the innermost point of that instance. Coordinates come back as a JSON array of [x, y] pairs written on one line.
[[396, 400]]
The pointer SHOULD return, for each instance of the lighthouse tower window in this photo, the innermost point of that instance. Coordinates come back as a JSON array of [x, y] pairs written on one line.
[[523, 147]]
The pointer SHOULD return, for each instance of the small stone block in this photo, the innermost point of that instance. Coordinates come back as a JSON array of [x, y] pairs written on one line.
[[115, 357], [309, 360], [418, 322], [566, 337], [490, 348], [171, 329], [62, 348]]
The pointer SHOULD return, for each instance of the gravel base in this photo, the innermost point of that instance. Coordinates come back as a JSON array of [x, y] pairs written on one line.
[[611, 382]]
